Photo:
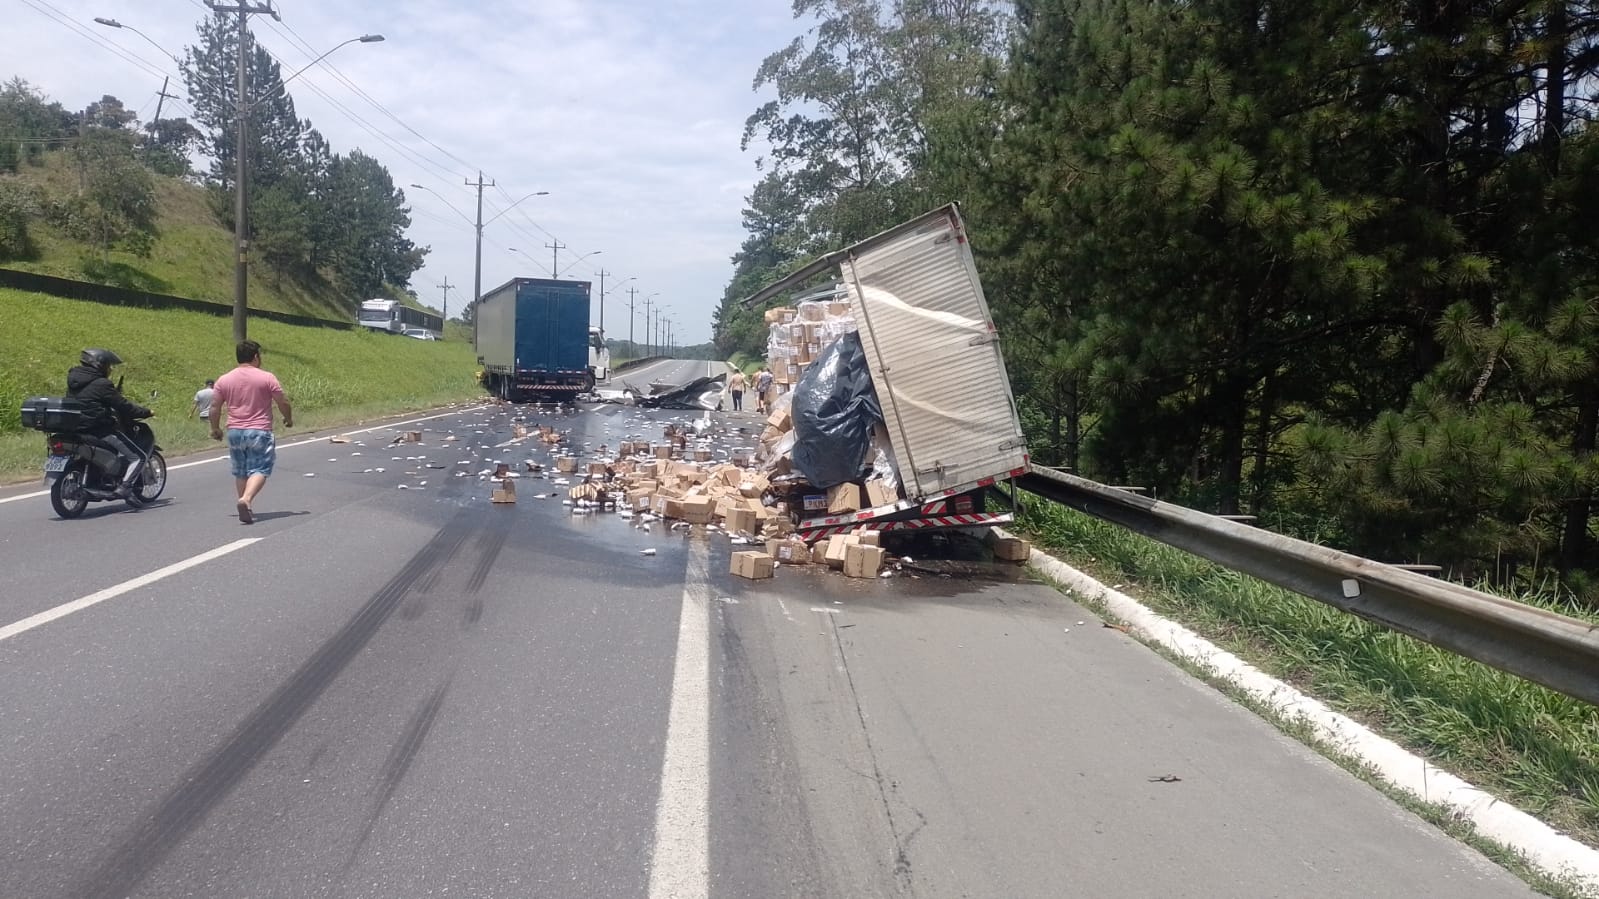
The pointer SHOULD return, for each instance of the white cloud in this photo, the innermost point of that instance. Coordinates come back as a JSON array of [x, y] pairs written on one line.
[[628, 113]]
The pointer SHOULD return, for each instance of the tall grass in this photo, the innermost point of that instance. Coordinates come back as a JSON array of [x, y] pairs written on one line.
[[332, 377], [1526, 744]]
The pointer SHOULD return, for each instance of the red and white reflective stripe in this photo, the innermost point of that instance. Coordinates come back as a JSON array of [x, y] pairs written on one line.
[[914, 524], [934, 508]]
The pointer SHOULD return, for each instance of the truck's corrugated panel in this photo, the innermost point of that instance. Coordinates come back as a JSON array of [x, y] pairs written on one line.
[[494, 329], [935, 359]]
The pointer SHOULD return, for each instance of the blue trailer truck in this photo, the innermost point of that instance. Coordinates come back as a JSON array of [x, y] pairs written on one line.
[[533, 339]]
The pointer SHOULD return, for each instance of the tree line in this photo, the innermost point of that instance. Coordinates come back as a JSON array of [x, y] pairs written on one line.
[[329, 219], [1331, 264]]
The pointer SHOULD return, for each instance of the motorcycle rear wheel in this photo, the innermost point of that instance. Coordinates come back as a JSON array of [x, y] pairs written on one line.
[[67, 495]]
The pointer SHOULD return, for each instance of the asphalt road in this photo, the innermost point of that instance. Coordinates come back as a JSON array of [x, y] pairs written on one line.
[[410, 693]]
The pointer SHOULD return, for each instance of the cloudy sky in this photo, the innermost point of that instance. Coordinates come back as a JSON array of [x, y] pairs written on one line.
[[629, 112]]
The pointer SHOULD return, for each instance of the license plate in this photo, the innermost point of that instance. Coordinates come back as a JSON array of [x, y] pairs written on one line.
[[56, 464]]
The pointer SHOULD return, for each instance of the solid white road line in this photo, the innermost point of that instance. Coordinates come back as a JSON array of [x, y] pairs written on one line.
[[680, 863], [281, 446], [65, 609]]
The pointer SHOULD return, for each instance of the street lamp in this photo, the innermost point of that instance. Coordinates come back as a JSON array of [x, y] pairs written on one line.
[[113, 23], [464, 217], [603, 292], [577, 260]]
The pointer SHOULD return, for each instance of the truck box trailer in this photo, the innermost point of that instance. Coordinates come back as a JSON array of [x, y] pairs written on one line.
[[533, 339], [934, 356]]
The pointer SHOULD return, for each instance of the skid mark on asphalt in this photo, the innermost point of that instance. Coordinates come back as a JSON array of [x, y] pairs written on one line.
[[203, 787], [399, 762]]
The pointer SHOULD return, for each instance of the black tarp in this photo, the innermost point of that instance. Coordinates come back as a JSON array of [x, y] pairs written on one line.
[[834, 408]]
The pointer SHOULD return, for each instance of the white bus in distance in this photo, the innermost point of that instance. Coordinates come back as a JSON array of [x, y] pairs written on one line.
[[398, 318]]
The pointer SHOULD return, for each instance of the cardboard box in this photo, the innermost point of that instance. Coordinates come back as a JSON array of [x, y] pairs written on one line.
[[648, 469], [869, 537], [663, 451], [781, 420], [789, 550], [640, 500], [698, 509], [753, 565], [506, 492], [1009, 549], [819, 552], [878, 493], [566, 464], [702, 454], [843, 498], [837, 547], [754, 486], [597, 469], [779, 314], [744, 521], [837, 309], [812, 311], [518, 431], [862, 561], [667, 505]]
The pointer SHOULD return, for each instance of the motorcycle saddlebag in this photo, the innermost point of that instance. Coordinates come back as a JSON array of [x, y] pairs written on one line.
[[52, 413]]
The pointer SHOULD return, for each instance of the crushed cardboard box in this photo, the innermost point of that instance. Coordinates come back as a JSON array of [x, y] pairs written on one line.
[[754, 565]]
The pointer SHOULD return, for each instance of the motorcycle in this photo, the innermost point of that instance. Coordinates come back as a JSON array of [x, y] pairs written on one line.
[[82, 468]]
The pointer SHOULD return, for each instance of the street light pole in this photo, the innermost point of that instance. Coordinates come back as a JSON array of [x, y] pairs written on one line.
[[649, 334]]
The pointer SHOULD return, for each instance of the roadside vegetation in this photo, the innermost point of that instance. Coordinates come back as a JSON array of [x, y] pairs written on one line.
[[333, 377], [1532, 747]]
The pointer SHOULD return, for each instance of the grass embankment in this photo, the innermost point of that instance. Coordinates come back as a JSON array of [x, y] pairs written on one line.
[[192, 257], [1528, 745], [332, 377]]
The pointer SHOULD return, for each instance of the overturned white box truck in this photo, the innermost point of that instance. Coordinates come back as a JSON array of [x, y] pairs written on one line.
[[913, 297]]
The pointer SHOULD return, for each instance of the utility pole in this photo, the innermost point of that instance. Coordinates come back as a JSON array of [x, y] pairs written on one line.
[[631, 346], [161, 98], [477, 261], [241, 168], [446, 285], [555, 255], [602, 273], [649, 335]]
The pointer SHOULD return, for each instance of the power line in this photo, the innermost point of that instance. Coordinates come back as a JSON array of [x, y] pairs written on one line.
[[43, 8], [328, 64]]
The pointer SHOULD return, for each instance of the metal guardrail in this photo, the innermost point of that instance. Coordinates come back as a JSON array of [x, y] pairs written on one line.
[[635, 363], [1558, 651], [88, 291]]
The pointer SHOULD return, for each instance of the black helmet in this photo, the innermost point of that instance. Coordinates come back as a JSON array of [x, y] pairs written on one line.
[[100, 359]]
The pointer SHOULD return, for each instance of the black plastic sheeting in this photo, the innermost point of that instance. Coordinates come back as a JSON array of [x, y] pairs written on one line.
[[701, 393], [835, 408]]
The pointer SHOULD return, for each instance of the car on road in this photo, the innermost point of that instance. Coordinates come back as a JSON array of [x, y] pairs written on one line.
[[420, 334]]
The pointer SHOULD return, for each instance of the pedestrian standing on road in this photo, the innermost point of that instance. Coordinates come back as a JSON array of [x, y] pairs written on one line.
[[735, 386], [244, 399], [763, 390], [203, 399]]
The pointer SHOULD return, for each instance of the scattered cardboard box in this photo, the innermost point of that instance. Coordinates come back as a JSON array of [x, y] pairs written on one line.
[[878, 494], [843, 498], [697, 509], [862, 561], [1007, 548], [754, 565], [506, 492], [790, 551]]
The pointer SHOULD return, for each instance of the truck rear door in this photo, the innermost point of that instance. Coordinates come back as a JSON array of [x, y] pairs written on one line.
[[934, 355]]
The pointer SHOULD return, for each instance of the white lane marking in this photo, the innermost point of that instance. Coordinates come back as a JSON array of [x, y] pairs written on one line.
[[67, 608], [281, 446], [680, 863]]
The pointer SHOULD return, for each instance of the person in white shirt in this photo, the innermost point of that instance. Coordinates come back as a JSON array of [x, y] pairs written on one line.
[[204, 398]]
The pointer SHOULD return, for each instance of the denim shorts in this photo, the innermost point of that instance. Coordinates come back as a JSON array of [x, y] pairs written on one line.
[[252, 452]]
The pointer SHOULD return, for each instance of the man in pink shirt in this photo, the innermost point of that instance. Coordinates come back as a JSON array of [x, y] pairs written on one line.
[[244, 399]]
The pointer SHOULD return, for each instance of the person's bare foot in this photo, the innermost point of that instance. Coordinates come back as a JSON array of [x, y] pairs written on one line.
[[244, 512]]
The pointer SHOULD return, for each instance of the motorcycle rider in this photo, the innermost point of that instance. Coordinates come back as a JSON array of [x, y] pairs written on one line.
[[106, 408]]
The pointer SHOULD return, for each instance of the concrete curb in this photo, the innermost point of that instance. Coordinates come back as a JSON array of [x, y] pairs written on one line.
[[1543, 846]]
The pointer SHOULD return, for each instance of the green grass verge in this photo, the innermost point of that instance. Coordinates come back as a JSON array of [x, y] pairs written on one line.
[[192, 257], [332, 377], [1526, 744]]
